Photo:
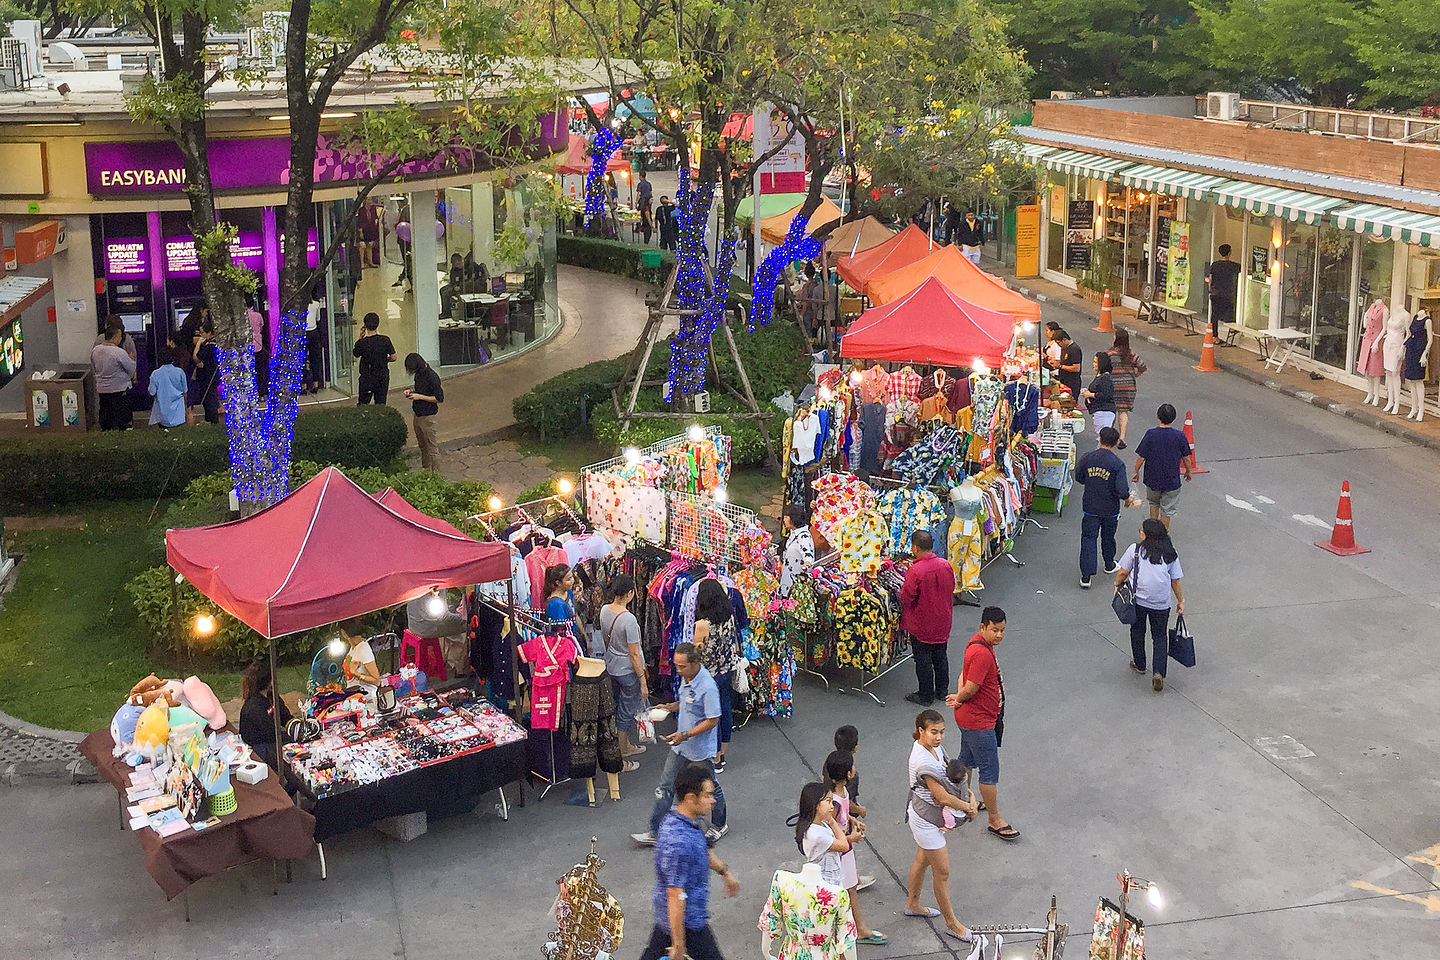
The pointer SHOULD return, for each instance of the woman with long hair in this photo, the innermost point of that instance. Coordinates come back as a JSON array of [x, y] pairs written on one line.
[[1100, 395], [928, 795], [1155, 565], [559, 600], [818, 833], [839, 769], [719, 641], [257, 717], [1126, 368], [620, 633]]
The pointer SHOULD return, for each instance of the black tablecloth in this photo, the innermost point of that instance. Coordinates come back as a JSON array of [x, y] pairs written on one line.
[[266, 823], [438, 790]]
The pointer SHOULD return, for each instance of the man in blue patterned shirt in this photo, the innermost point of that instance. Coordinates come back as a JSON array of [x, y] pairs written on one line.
[[683, 861]]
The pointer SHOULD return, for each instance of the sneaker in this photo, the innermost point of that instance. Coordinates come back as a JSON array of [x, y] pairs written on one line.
[[718, 764], [866, 882], [1139, 670], [646, 839], [714, 834], [1084, 583], [1157, 683], [918, 700], [1113, 568], [1122, 445]]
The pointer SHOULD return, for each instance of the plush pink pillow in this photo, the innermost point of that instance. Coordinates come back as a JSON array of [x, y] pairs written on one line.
[[198, 696]]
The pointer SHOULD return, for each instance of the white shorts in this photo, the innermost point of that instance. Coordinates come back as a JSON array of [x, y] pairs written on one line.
[[927, 835], [849, 875]]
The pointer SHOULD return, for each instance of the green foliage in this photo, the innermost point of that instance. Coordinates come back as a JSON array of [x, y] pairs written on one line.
[[611, 256], [1303, 44], [747, 448], [1398, 41], [43, 469], [545, 488], [561, 406], [1104, 259]]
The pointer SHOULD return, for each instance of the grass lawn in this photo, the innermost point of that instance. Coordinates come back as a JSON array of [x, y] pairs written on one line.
[[71, 645]]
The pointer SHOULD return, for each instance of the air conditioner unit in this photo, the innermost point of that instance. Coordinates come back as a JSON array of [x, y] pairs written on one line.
[[1222, 106], [702, 401]]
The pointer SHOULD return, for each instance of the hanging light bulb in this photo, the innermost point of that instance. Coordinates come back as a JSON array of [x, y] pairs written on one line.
[[204, 625], [696, 433], [825, 394], [720, 495], [1156, 898], [564, 486], [856, 378], [435, 606], [495, 503], [632, 455], [337, 647]]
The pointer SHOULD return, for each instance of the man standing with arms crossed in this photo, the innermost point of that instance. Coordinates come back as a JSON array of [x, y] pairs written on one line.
[[979, 705], [682, 874], [926, 612]]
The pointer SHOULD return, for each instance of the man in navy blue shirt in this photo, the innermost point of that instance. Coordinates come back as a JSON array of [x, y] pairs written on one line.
[[1164, 453], [1103, 474], [683, 862]]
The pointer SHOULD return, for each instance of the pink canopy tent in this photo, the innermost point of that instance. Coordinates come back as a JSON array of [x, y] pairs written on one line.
[[930, 324], [577, 158], [326, 552]]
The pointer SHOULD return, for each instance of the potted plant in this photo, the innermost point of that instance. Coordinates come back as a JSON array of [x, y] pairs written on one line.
[[1096, 278]]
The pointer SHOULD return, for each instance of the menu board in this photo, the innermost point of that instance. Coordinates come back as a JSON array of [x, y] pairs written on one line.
[[127, 258], [12, 350]]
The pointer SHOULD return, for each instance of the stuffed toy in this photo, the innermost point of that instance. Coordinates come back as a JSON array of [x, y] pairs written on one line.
[[184, 724], [197, 695], [152, 688], [152, 731], [122, 727]]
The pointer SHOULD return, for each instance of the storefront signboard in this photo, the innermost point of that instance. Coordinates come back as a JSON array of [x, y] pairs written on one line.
[[126, 259], [247, 249], [156, 166], [1260, 263], [1079, 229], [1177, 266], [1027, 240]]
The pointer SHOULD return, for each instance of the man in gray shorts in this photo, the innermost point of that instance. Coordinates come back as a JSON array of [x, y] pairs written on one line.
[[1164, 453]]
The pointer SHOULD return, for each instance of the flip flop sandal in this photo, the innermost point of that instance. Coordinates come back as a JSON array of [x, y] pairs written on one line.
[[876, 939], [1008, 834], [929, 913]]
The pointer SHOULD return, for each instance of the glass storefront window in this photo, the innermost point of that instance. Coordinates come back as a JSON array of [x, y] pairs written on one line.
[[1055, 226], [1136, 255], [1377, 265], [1297, 303], [1334, 313], [1199, 219], [1255, 272]]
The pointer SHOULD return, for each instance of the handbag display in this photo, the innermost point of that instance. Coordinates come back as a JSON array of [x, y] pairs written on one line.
[[1123, 603], [1182, 644]]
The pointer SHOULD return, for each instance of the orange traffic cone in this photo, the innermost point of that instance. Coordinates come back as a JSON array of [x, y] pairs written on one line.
[[1190, 437], [1106, 324], [1342, 537], [1207, 354]]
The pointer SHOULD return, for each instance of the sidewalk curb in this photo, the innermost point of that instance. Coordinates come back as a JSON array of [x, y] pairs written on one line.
[[76, 770], [1254, 376], [27, 729]]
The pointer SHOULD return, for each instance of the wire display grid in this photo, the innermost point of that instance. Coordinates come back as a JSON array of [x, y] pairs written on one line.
[[658, 449], [698, 527]]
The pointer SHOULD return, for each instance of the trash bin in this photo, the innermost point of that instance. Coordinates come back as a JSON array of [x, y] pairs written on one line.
[[62, 401], [650, 258]]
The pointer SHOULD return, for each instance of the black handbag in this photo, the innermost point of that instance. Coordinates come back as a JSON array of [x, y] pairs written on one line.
[[1123, 603], [1182, 644]]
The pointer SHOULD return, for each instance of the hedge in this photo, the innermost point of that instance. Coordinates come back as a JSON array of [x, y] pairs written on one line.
[[747, 448], [611, 256], [42, 469]]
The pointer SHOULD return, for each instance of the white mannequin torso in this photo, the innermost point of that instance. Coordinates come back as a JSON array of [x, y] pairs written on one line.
[[1397, 328], [810, 875]]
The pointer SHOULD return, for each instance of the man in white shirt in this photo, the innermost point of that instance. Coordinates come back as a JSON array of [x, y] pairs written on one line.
[[114, 374], [799, 548]]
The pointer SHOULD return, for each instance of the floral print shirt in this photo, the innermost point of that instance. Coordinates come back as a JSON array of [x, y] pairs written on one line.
[[910, 510], [808, 922], [863, 540], [837, 497]]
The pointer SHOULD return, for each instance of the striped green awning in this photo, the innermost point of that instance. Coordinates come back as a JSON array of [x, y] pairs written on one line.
[[1180, 183], [1034, 151], [1090, 165], [1277, 201], [1407, 226]]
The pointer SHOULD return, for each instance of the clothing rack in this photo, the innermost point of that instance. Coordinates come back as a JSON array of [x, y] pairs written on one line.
[[680, 506], [520, 509]]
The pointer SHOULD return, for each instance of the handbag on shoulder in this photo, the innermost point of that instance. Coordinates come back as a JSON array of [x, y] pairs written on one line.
[[1123, 603]]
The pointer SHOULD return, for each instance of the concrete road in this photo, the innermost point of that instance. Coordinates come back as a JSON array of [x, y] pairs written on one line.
[[1326, 845]]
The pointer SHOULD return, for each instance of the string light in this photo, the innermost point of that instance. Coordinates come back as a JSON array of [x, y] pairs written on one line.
[[797, 246], [720, 495], [204, 625], [696, 433], [435, 606], [564, 486], [602, 148], [261, 435], [704, 305], [495, 503]]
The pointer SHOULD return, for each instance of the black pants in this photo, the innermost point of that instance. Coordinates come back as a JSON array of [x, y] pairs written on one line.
[[375, 385], [1159, 621], [210, 401], [314, 360], [699, 945], [1222, 310], [1093, 529], [115, 410], [932, 669]]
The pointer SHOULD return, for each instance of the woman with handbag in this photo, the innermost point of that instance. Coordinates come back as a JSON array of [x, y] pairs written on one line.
[[1153, 568], [624, 662], [719, 642]]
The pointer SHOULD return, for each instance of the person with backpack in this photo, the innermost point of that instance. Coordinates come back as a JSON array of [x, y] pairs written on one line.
[[1155, 565]]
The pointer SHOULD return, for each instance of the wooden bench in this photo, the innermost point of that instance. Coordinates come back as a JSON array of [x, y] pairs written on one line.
[[1185, 314]]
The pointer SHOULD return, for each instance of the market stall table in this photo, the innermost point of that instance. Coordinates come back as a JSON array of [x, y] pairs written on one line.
[[265, 824]]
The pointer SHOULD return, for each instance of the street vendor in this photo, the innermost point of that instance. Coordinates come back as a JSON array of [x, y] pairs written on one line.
[[359, 666]]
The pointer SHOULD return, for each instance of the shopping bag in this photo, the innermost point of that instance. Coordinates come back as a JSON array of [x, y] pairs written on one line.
[[645, 730], [1123, 603], [1182, 644]]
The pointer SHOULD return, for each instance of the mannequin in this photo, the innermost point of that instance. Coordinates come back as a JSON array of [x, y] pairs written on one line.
[[966, 546], [1370, 363], [590, 668], [1417, 359], [802, 887], [1397, 328]]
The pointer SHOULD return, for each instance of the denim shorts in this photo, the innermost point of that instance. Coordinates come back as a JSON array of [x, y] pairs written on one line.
[[628, 702], [978, 750]]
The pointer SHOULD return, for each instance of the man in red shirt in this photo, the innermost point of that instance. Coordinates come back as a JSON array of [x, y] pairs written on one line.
[[926, 605], [979, 706]]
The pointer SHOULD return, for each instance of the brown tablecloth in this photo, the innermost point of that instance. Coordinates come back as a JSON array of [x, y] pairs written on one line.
[[266, 823]]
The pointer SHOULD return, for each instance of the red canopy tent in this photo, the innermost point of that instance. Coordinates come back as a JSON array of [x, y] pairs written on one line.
[[389, 498], [740, 126], [326, 552], [930, 324], [905, 247], [972, 284], [577, 158]]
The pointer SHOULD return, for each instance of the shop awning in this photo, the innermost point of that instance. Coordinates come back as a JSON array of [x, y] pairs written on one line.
[[1034, 151], [1276, 201], [1179, 183], [1407, 226], [1090, 165]]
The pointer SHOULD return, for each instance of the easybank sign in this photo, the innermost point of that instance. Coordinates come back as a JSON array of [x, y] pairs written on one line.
[[156, 166]]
